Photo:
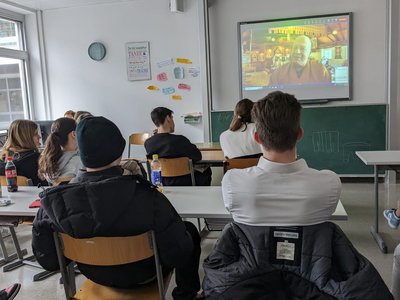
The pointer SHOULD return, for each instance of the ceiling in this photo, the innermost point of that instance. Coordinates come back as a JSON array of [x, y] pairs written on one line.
[[55, 4]]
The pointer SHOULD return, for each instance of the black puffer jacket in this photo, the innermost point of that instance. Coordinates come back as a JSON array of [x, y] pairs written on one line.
[[108, 204], [251, 262], [27, 164]]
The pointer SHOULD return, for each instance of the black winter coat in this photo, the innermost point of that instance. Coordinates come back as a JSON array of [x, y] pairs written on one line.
[[27, 165], [312, 262], [107, 204]]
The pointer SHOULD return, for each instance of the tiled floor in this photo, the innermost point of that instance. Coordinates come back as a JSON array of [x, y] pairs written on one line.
[[357, 199]]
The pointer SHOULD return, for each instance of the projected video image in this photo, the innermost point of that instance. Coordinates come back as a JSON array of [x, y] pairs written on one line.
[[305, 52]]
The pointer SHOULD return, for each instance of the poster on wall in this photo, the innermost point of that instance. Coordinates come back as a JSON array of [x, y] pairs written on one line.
[[138, 61]]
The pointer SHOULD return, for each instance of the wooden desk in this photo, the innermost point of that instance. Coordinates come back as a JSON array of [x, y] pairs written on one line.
[[381, 160], [209, 146], [211, 154], [207, 202]]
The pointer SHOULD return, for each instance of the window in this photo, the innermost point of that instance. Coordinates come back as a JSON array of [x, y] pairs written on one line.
[[13, 70]]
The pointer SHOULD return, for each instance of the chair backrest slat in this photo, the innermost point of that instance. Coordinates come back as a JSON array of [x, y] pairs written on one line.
[[172, 167], [138, 138], [107, 251], [61, 180], [239, 163], [21, 181]]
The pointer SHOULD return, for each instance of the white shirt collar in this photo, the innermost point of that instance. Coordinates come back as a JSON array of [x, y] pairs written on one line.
[[275, 167]]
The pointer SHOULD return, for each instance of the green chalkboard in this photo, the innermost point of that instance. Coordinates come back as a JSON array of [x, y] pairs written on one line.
[[332, 135]]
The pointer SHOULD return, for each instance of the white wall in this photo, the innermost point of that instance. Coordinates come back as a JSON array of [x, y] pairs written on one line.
[[76, 82], [369, 43]]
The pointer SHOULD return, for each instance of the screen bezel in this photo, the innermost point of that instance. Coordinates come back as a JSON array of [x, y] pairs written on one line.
[[350, 53]]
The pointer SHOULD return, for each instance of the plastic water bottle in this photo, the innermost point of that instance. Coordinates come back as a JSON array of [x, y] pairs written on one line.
[[11, 175], [156, 178]]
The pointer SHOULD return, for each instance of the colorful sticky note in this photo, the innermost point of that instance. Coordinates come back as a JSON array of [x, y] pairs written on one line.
[[165, 63], [162, 76], [184, 86], [183, 61], [176, 97], [194, 72], [179, 72], [168, 90], [153, 88]]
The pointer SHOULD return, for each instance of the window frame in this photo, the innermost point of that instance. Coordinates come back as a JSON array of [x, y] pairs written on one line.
[[21, 55]]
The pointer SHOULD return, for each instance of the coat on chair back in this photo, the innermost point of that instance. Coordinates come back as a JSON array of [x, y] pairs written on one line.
[[282, 263]]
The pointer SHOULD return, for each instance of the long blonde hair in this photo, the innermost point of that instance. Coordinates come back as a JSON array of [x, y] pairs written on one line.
[[20, 137]]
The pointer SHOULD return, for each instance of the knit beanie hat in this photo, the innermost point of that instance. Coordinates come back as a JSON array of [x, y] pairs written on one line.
[[99, 141]]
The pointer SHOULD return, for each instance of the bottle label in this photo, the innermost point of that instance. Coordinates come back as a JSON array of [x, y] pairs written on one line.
[[156, 177], [11, 173]]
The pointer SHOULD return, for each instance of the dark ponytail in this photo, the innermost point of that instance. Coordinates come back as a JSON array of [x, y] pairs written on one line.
[[48, 161], [242, 114]]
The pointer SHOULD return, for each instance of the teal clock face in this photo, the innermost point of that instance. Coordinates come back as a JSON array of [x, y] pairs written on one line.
[[97, 51]]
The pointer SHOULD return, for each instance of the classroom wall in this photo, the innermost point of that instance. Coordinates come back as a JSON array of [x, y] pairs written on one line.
[[369, 43], [76, 82]]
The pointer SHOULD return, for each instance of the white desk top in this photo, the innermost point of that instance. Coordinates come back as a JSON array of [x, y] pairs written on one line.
[[189, 202], [379, 157], [20, 201], [207, 202]]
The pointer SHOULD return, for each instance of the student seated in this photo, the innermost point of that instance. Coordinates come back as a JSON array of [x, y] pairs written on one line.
[[105, 203], [69, 114], [280, 246], [22, 144], [80, 115], [60, 156], [168, 145], [281, 189], [238, 140]]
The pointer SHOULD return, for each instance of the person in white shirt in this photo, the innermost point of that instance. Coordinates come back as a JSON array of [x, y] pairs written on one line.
[[60, 156], [281, 190], [238, 140]]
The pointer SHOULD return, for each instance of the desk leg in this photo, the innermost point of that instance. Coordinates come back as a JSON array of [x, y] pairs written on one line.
[[375, 228]]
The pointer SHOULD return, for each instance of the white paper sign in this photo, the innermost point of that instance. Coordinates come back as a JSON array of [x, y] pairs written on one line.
[[138, 61]]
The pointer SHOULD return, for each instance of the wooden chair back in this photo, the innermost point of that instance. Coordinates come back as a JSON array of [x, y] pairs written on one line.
[[172, 167], [62, 180], [21, 181], [239, 163], [137, 139], [107, 251]]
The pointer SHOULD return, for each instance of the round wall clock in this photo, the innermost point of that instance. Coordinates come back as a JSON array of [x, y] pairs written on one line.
[[97, 51]]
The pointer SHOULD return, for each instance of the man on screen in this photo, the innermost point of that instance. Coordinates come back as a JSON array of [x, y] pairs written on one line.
[[300, 69]]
